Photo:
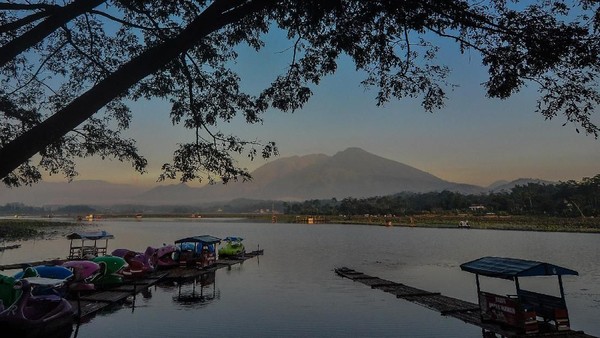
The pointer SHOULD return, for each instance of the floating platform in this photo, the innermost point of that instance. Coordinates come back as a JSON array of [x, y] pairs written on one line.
[[92, 302], [180, 274], [88, 303], [448, 306]]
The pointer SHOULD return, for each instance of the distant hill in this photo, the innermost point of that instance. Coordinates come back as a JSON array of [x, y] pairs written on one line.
[[507, 186], [497, 184], [349, 173]]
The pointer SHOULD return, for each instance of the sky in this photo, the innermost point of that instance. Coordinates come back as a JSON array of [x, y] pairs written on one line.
[[473, 139]]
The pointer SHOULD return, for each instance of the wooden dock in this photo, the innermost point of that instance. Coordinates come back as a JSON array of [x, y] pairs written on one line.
[[88, 303], [181, 274], [93, 302], [447, 306]]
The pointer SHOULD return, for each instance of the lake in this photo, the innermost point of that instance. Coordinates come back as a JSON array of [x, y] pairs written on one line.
[[292, 291]]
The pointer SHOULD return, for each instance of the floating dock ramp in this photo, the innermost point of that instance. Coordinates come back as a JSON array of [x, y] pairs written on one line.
[[448, 306]]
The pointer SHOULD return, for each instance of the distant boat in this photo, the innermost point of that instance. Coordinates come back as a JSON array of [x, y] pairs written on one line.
[[464, 224]]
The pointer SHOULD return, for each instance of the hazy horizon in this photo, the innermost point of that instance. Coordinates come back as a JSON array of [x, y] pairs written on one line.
[[148, 184]]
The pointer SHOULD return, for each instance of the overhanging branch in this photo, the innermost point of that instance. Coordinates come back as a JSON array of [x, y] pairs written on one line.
[[45, 28], [219, 14]]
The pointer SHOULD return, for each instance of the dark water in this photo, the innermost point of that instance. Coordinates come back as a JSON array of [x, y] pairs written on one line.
[[292, 290]]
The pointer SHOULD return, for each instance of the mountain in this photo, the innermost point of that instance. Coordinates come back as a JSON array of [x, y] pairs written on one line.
[[349, 173]]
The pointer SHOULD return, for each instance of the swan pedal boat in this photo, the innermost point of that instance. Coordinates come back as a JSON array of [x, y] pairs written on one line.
[[24, 314]]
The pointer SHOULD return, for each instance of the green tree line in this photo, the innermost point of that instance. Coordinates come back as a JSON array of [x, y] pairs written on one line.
[[564, 199]]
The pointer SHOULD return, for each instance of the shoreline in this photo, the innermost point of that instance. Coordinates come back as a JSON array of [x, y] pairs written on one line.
[[12, 230]]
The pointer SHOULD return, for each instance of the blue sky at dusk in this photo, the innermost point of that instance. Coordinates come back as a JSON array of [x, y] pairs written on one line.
[[473, 139]]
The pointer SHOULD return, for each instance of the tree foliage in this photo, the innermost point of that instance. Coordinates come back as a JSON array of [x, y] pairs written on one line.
[[564, 199], [68, 72]]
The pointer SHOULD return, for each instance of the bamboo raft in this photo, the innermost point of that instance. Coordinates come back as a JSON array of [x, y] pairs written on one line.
[[447, 306]]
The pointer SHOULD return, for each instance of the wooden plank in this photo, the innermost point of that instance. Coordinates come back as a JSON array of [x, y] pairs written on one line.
[[107, 296], [87, 307], [459, 310], [374, 281], [383, 285], [417, 294], [362, 277]]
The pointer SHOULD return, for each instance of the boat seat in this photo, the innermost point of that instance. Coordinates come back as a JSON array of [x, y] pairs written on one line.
[[546, 306]]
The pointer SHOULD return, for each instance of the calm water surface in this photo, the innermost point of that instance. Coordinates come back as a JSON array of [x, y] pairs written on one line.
[[292, 290]]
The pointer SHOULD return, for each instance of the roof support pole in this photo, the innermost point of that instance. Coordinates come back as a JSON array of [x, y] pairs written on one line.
[[478, 292], [562, 290], [517, 284]]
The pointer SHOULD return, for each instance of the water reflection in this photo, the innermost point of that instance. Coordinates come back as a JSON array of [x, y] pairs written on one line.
[[298, 293], [198, 293]]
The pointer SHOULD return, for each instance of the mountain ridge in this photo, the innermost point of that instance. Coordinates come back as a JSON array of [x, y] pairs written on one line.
[[352, 172]]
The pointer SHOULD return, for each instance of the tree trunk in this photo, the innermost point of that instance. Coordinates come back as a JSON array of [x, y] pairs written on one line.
[[45, 28], [578, 209], [216, 16]]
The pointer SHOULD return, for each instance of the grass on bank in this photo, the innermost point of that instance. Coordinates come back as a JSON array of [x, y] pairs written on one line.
[[18, 229], [523, 223]]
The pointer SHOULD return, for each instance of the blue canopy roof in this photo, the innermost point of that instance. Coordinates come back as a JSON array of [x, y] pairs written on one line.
[[204, 239], [233, 239], [90, 235], [509, 268]]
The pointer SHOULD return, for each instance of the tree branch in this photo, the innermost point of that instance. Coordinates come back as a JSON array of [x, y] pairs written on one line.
[[121, 21], [98, 64], [219, 14], [45, 28], [30, 7], [23, 21]]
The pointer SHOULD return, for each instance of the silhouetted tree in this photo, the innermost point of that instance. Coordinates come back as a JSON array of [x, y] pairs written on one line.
[[67, 72]]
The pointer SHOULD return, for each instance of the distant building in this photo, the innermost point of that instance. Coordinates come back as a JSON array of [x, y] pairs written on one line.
[[477, 207]]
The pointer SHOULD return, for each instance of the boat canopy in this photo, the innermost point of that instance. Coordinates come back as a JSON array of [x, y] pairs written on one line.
[[204, 239], [509, 268], [96, 235], [233, 239]]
